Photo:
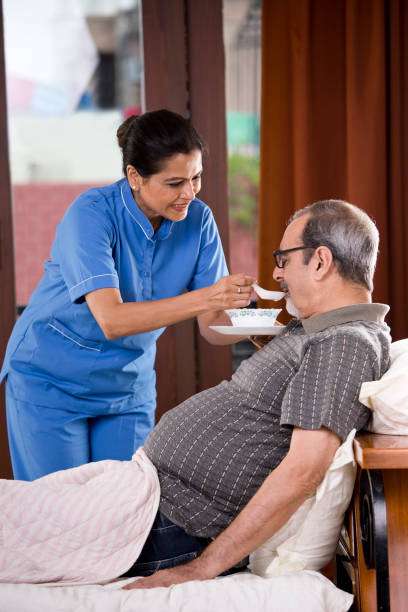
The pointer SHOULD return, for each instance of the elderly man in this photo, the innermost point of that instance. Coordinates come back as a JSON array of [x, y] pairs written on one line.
[[236, 461]]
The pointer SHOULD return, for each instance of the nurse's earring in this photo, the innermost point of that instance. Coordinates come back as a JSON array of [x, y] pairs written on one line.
[[133, 177]]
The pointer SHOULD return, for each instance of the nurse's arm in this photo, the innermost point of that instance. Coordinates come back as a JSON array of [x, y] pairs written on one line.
[[117, 318]]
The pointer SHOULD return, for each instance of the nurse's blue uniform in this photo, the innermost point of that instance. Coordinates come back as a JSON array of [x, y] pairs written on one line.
[[72, 395]]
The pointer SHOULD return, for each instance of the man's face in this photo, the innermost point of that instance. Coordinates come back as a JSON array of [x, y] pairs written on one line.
[[295, 278]]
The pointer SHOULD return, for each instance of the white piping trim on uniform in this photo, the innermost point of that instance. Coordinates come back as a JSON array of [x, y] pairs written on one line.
[[89, 278], [131, 214], [91, 348]]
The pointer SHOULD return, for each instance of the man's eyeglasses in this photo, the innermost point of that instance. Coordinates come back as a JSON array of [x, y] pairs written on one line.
[[279, 258]]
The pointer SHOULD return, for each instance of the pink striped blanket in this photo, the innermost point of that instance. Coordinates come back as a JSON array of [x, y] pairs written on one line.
[[85, 525]]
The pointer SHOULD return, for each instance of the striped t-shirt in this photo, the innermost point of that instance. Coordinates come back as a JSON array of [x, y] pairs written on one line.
[[214, 450]]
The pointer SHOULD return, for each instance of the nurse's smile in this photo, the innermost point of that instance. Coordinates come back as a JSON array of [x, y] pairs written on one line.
[[181, 206]]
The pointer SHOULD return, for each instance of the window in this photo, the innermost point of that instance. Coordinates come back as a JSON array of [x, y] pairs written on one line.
[[81, 75]]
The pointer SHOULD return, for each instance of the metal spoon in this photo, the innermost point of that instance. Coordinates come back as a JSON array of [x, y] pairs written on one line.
[[265, 294]]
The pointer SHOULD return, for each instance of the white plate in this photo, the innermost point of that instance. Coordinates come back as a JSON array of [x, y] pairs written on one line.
[[247, 330]]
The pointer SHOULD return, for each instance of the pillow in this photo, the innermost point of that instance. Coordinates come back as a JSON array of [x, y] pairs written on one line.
[[305, 591], [309, 538], [388, 397]]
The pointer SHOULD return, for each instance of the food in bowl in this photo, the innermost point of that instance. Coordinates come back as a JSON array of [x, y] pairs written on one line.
[[253, 317]]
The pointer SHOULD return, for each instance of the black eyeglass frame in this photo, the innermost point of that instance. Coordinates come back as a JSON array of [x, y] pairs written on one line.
[[277, 254]]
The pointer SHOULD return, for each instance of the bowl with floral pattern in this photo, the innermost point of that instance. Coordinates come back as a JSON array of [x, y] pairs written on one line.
[[253, 317]]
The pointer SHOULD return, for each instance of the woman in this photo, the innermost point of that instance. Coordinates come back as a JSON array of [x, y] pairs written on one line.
[[128, 259]]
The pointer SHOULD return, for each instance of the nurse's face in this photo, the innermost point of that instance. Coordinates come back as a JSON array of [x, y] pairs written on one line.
[[169, 192]]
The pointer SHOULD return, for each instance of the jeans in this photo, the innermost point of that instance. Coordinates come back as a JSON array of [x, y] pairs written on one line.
[[168, 545]]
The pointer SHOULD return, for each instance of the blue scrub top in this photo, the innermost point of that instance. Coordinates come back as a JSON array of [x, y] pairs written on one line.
[[105, 240]]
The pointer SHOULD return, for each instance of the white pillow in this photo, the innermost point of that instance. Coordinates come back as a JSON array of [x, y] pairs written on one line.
[[309, 538], [305, 591], [388, 397]]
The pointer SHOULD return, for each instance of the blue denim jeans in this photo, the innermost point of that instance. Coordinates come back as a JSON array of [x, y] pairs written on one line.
[[168, 545]]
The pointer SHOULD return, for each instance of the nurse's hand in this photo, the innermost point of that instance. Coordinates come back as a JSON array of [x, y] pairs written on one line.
[[232, 291]]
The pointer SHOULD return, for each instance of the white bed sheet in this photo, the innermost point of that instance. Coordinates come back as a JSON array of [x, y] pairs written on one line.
[[306, 590]]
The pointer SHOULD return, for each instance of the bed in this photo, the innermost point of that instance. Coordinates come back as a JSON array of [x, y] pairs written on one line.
[[284, 572], [49, 532]]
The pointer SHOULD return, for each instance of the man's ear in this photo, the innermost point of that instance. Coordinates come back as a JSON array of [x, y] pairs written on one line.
[[322, 261], [134, 178]]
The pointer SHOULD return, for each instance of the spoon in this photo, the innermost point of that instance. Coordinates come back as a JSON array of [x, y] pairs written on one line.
[[265, 294]]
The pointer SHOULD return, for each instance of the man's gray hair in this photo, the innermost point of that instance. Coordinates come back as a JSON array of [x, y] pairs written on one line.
[[349, 233]]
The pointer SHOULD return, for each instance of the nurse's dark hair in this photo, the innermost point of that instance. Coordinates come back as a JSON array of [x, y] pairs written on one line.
[[148, 140]]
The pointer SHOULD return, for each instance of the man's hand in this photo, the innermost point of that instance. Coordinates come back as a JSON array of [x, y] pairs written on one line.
[[261, 341], [167, 577]]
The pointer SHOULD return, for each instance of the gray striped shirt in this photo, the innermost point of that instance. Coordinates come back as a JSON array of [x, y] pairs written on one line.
[[214, 450]]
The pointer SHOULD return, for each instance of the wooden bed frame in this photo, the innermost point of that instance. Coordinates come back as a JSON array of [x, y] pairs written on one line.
[[373, 548]]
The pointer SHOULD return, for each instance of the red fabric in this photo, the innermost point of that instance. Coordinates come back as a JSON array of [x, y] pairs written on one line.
[[334, 91], [37, 210]]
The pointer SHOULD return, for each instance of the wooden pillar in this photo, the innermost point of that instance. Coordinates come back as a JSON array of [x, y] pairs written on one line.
[[206, 78], [165, 59], [184, 72], [7, 291]]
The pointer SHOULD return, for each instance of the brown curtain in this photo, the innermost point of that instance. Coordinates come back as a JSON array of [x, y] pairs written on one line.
[[334, 92]]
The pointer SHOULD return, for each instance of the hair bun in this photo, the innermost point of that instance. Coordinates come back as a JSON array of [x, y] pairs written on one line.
[[123, 130], [148, 140]]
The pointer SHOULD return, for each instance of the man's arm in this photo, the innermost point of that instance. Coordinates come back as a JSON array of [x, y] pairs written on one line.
[[281, 494]]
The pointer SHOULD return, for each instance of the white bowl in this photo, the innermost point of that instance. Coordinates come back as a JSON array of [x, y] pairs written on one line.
[[253, 317]]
